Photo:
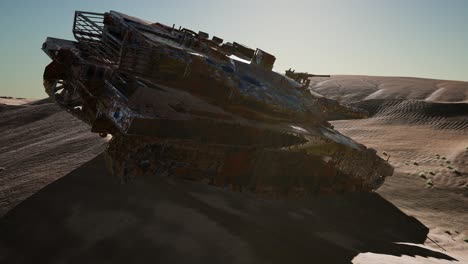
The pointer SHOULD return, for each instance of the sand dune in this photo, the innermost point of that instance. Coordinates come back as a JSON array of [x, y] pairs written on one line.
[[8, 100], [352, 88], [415, 121], [39, 143], [87, 217]]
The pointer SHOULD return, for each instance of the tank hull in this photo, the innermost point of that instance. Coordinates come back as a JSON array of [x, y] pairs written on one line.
[[179, 105]]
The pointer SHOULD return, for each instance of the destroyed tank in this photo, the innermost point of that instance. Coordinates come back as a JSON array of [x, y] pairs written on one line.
[[176, 103]]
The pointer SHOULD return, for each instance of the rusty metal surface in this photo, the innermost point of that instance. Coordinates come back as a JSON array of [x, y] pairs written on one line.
[[180, 104]]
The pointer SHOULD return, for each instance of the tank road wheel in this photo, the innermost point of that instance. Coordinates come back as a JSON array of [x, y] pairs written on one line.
[[65, 94], [58, 87]]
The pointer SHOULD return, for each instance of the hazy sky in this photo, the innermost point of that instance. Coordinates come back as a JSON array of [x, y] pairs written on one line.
[[420, 38]]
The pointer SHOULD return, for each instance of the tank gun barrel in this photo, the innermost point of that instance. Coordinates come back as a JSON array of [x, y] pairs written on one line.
[[318, 75], [302, 77]]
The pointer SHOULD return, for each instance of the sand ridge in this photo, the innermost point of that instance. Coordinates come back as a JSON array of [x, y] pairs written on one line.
[[352, 88], [40, 143]]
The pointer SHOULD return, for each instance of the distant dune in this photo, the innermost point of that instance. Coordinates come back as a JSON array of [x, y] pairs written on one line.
[[8, 100], [352, 88], [420, 125]]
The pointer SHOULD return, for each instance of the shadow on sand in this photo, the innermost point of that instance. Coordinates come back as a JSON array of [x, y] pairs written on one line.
[[86, 217]]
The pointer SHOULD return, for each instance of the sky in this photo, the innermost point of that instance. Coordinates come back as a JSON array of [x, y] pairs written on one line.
[[417, 38]]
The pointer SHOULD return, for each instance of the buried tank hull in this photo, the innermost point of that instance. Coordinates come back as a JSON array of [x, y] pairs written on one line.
[[182, 105]]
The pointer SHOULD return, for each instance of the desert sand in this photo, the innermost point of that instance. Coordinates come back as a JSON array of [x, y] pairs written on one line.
[[352, 88], [59, 204], [421, 126], [39, 143]]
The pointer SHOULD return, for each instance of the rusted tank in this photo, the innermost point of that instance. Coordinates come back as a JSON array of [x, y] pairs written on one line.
[[179, 104]]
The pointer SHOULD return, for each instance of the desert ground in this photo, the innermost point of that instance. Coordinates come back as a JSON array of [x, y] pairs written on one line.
[[59, 204], [421, 126]]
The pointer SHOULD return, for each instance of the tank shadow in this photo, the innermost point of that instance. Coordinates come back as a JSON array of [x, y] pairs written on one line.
[[85, 217]]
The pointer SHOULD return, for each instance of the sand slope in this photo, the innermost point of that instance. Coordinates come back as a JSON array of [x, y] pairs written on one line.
[[351, 88], [8, 100], [414, 120], [39, 144]]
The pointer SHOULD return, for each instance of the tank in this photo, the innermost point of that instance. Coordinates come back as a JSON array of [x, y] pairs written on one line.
[[177, 103]]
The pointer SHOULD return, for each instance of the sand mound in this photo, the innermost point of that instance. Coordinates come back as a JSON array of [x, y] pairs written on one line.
[[451, 116], [351, 88], [8, 100], [9, 103], [39, 144], [42, 101], [5, 107]]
